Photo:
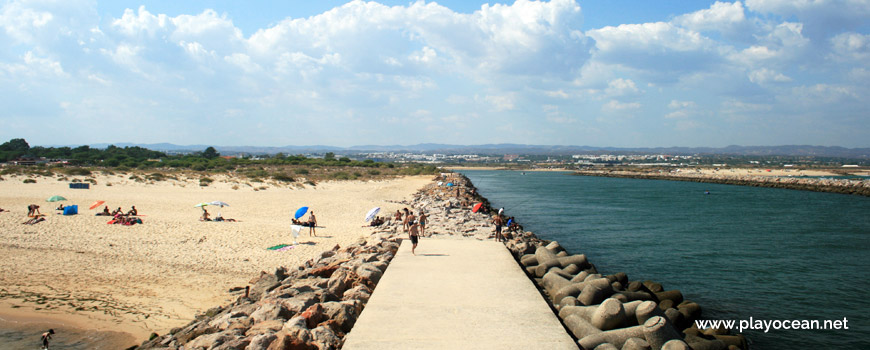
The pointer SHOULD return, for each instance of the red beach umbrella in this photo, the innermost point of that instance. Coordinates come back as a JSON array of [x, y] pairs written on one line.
[[97, 204], [476, 207]]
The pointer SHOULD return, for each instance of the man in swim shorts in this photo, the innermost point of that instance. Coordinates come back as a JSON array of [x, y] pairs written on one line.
[[412, 233]]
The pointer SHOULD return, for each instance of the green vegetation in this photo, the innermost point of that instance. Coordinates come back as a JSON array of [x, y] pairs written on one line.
[[143, 165]]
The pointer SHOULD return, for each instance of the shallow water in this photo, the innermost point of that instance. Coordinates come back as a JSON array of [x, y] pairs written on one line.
[[15, 334], [740, 252]]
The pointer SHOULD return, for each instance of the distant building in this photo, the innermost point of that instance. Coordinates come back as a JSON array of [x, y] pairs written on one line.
[[511, 157]]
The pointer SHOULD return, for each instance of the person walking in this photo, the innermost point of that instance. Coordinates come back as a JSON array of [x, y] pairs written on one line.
[[412, 234], [46, 337], [312, 222], [405, 224]]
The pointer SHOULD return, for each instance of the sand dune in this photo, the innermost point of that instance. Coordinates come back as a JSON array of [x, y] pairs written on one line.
[[152, 277]]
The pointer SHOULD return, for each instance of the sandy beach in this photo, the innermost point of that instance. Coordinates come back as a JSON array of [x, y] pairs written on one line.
[[155, 276]]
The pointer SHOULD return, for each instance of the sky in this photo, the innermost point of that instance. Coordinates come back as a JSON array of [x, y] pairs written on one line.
[[608, 73]]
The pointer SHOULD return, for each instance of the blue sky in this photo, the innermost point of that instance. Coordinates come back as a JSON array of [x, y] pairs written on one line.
[[566, 72]]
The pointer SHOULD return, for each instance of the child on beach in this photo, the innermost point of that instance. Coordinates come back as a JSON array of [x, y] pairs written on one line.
[[46, 337], [412, 233]]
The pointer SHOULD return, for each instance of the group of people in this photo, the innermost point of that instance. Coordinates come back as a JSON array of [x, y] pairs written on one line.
[[500, 221], [415, 226], [377, 221], [114, 213], [205, 217], [125, 220]]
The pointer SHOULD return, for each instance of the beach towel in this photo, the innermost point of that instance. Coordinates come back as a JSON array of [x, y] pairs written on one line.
[[285, 248], [278, 247]]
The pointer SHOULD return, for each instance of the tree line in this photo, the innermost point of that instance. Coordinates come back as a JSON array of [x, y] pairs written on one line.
[[142, 158]]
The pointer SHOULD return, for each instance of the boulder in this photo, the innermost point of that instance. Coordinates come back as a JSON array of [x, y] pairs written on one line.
[[260, 342], [271, 310], [360, 292], [325, 338], [313, 315], [265, 327], [344, 314]]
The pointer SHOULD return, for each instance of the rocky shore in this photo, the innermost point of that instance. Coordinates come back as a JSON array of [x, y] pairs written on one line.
[[313, 306], [844, 186]]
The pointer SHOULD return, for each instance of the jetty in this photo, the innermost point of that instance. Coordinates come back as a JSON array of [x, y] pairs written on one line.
[[457, 293]]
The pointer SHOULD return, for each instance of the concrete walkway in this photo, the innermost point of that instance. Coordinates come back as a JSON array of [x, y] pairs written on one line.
[[456, 294]]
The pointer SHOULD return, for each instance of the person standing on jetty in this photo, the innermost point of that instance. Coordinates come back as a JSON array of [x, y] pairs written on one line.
[[422, 221], [312, 221], [405, 223], [46, 337], [499, 222], [412, 233]]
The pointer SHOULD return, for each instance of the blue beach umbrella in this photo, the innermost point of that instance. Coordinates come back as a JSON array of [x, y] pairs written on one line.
[[449, 184], [300, 212]]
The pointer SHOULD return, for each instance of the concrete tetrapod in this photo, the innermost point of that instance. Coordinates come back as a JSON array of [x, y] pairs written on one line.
[[579, 326], [609, 315], [675, 344], [595, 291], [617, 337], [606, 346], [646, 310], [658, 331], [635, 344]]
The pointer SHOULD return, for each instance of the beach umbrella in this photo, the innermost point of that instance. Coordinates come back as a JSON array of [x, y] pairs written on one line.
[[476, 207], [200, 205], [449, 184], [371, 214], [300, 212], [220, 204], [55, 199], [97, 204]]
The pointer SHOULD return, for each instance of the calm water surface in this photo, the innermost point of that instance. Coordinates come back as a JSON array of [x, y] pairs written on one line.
[[740, 252]]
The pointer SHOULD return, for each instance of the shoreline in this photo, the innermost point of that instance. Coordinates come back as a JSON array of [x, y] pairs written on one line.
[[842, 186]]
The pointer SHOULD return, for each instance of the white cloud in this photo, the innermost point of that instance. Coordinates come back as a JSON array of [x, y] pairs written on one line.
[[721, 16], [680, 114], [614, 105], [242, 61], [675, 104], [822, 15], [764, 76], [851, 46], [135, 23], [501, 103], [621, 87]]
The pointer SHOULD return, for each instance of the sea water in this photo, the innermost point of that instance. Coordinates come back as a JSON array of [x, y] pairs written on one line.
[[740, 252]]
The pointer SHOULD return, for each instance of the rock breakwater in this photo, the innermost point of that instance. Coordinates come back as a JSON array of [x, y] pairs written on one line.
[[313, 306], [845, 186]]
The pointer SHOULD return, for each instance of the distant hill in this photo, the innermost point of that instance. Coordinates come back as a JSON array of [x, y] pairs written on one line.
[[510, 148]]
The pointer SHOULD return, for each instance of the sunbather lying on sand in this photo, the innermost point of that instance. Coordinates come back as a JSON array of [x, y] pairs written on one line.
[[35, 220], [377, 221]]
